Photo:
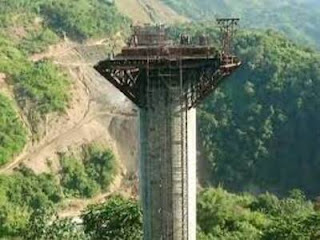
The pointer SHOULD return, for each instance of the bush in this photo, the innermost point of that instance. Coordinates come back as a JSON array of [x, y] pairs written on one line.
[[100, 165], [38, 41], [75, 179], [12, 60], [43, 226], [43, 88], [20, 195], [89, 172], [118, 218], [226, 216], [12, 132], [83, 19]]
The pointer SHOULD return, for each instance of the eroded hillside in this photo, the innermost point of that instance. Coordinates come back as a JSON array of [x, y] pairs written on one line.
[[53, 103], [42, 44]]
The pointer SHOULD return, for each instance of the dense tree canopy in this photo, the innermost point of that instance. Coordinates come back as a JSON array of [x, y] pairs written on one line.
[[83, 19], [20, 195], [226, 216], [117, 219], [260, 129], [221, 216], [28, 200]]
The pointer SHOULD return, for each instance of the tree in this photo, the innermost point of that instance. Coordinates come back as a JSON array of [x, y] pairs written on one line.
[[44, 224], [117, 219], [100, 165]]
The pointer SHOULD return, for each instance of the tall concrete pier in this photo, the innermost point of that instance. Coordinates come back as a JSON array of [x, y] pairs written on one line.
[[168, 167], [167, 81]]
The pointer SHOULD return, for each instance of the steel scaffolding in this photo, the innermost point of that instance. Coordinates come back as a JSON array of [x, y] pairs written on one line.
[[167, 81]]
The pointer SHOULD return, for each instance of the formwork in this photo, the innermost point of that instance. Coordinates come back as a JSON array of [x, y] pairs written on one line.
[[167, 81]]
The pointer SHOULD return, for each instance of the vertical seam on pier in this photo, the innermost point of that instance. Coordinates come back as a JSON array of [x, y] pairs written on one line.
[[147, 164], [182, 147], [187, 166], [160, 155]]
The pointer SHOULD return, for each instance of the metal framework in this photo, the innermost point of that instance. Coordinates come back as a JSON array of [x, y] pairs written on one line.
[[166, 81], [227, 29], [202, 72]]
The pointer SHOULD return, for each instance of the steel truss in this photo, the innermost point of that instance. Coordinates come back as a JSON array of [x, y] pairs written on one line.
[[200, 77]]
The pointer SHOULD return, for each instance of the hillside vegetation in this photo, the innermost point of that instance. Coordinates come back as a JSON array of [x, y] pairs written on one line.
[[41, 89], [221, 216], [39, 20], [12, 131], [28, 27], [89, 173], [298, 19], [260, 131], [24, 194], [226, 216]]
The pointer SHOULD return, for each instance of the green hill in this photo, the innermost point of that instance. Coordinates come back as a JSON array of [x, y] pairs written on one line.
[[260, 130], [296, 18], [30, 26]]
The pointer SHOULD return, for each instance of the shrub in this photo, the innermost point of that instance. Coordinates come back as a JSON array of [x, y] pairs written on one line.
[[12, 132], [83, 19], [75, 180], [20, 195], [118, 218], [100, 165], [89, 172], [44, 87]]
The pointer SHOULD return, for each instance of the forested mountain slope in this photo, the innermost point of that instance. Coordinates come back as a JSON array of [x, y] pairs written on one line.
[[299, 19], [260, 130]]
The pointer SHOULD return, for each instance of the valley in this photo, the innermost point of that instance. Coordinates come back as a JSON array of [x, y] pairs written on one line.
[[60, 121]]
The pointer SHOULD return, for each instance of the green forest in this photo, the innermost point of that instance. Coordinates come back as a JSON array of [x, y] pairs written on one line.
[[258, 133], [297, 19], [221, 216], [27, 198]]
